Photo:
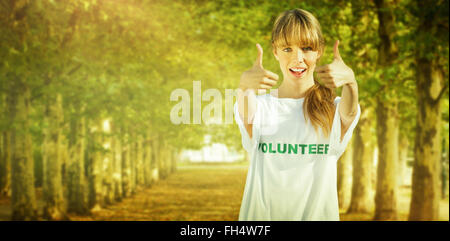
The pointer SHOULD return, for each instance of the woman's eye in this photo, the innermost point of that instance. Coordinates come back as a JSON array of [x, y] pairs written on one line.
[[287, 49], [307, 49]]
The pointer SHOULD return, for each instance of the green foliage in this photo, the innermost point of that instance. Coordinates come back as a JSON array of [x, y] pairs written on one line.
[[122, 59]]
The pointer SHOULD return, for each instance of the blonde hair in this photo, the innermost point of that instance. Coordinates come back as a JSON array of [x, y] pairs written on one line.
[[300, 27]]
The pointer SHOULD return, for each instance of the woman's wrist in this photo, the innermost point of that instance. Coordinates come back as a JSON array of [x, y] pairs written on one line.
[[352, 83], [243, 87]]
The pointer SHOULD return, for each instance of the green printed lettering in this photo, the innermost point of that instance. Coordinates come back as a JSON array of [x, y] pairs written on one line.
[[270, 149], [303, 147], [320, 149], [312, 148], [264, 147], [284, 148], [292, 149]]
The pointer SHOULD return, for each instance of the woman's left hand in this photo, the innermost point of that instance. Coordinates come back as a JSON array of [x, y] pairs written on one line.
[[337, 73]]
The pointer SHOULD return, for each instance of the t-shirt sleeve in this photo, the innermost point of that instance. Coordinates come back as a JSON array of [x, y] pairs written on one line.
[[247, 142], [336, 146]]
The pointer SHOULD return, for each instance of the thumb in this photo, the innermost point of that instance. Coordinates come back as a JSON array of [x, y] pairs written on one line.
[[336, 50], [259, 58]]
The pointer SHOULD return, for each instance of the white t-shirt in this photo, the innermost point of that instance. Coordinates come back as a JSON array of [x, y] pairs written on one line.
[[292, 172]]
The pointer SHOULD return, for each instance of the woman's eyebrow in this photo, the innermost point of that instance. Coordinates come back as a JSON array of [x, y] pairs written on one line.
[[282, 46]]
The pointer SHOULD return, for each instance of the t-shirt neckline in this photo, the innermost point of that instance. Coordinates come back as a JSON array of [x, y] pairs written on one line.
[[287, 99]]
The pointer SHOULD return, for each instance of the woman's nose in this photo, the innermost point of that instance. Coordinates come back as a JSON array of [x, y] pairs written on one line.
[[300, 55]]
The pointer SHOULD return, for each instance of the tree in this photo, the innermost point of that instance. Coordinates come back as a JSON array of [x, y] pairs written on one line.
[[387, 115], [431, 56], [361, 197]]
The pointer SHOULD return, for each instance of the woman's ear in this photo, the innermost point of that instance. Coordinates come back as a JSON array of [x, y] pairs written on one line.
[[319, 55]]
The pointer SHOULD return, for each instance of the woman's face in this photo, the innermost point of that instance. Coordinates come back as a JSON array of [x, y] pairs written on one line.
[[297, 62]]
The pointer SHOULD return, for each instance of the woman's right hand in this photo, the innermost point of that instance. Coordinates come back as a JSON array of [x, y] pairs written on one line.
[[257, 78], [252, 82]]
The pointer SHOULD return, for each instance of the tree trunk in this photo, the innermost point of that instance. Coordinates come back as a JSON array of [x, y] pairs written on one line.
[[133, 156], [387, 116], [162, 158], [155, 157], [52, 160], [387, 132], [147, 161], [431, 84], [174, 158], [5, 165], [168, 160], [95, 168], [126, 166], [402, 159], [427, 149], [23, 196], [77, 188], [444, 170], [362, 188], [344, 178], [107, 164], [139, 161], [117, 163]]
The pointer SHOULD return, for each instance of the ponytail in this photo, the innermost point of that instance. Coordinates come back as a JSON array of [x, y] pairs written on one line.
[[319, 107]]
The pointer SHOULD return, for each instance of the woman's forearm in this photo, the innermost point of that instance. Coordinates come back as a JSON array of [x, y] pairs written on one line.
[[349, 101], [349, 104]]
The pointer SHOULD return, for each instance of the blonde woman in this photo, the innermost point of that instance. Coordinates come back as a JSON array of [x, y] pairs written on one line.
[[295, 134]]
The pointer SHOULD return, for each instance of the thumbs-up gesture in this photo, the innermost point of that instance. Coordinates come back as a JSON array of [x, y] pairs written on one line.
[[257, 78], [336, 74]]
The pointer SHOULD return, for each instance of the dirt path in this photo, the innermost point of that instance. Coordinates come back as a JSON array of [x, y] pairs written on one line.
[[192, 193], [209, 192], [200, 192]]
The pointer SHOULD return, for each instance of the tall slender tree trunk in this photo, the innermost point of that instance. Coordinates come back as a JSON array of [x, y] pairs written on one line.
[[362, 188], [168, 160], [52, 160], [126, 165], [117, 163], [96, 167], [344, 178], [23, 196], [155, 158], [174, 158], [107, 163], [77, 188], [431, 85], [2, 162], [147, 161], [427, 149], [387, 117], [5, 164], [444, 169], [162, 158], [5, 153], [387, 132], [402, 159], [133, 157], [139, 161]]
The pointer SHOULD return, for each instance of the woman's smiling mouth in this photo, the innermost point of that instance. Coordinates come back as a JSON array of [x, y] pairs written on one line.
[[297, 72]]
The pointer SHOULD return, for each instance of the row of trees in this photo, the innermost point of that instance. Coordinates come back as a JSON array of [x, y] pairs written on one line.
[[67, 66], [79, 115], [419, 54]]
